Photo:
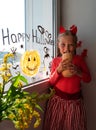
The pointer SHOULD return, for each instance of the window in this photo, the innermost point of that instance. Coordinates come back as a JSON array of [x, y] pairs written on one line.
[[28, 25]]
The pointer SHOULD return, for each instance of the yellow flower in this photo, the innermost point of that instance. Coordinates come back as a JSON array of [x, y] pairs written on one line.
[[17, 101], [5, 77], [20, 84], [26, 124], [27, 106], [2, 68], [17, 123], [8, 74], [11, 116], [30, 117], [20, 111], [6, 56], [38, 119]]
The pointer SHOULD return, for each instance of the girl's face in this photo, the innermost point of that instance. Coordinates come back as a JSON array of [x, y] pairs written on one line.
[[66, 44]]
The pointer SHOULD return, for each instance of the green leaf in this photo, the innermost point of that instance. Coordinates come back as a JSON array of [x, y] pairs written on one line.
[[16, 82], [19, 78], [34, 94], [22, 78], [38, 106], [26, 93]]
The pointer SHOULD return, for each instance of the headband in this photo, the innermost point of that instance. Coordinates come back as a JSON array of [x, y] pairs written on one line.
[[73, 29]]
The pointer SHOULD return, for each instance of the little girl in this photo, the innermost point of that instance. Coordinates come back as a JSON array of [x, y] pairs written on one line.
[[65, 110]]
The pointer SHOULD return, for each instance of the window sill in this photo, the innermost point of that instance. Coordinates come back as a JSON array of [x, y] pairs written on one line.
[[39, 87]]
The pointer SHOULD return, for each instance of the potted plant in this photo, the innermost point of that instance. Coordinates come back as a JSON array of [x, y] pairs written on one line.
[[16, 104]]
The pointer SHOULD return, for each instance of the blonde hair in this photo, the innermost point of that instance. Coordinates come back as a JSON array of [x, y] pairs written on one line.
[[68, 33]]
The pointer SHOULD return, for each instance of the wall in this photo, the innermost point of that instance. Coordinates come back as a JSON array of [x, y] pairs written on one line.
[[82, 13]]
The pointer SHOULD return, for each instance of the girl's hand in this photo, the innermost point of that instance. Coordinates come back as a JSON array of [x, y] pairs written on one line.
[[64, 65], [75, 70]]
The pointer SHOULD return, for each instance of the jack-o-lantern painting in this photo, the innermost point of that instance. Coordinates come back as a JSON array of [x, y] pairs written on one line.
[[30, 62]]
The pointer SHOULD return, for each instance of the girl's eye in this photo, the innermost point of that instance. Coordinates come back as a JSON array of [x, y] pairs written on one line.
[[62, 45], [72, 45]]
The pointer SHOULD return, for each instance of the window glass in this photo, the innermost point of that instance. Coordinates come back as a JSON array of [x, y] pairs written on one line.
[[12, 28], [27, 25], [39, 27]]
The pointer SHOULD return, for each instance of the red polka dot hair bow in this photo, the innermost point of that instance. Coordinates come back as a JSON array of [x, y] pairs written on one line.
[[73, 29]]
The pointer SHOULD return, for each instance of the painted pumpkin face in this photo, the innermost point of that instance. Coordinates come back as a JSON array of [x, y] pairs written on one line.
[[30, 62]]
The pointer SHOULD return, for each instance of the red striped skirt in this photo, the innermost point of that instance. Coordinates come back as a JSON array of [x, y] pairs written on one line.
[[62, 114]]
